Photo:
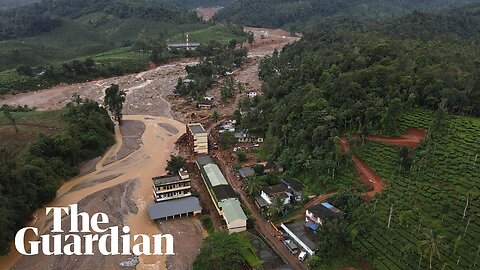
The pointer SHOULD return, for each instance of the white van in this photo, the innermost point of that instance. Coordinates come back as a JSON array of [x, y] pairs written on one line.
[[302, 256]]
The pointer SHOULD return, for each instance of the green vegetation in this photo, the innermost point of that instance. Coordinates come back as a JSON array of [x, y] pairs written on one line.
[[220, 60], [32, 179], [114, 99], [224, 251], [119, 36], [175, 164], [299, 14], [207, 223], [435, 200], [187, 4]]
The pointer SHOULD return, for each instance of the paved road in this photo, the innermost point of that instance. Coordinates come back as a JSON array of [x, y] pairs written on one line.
[[261, 224]]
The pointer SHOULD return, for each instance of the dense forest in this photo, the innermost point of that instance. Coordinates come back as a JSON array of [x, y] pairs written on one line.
[[32, 180], [355, 76], [45, 16], [296, 15]]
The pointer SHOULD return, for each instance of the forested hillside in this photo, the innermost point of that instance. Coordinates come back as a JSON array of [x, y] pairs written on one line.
[[6, 4], [298, 14], [29, 178], [372, 79]]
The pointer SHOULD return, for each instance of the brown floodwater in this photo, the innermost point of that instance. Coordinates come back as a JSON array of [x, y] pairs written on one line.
[[150, 160]]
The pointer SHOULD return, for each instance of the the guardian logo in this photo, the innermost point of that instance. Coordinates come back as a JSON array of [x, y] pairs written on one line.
[[112, 241]]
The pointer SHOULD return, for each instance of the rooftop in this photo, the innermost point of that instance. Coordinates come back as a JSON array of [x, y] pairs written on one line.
[[203, 160], [214, 175], [196, 128], [275, 190], [166, 180], [232, 210], [303, 233], [324, 210], [293, 184], [174, 207], [223, 192], [246, 172]]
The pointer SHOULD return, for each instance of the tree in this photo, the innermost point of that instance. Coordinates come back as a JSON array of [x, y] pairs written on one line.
[[241, 156], [253, 185], [215, 116], [232, 44], [175, 164], [114, 99], [431, 246], [25, 70], [12, 120], [224, 251], [277, 206], [250, 38], [226, 140]]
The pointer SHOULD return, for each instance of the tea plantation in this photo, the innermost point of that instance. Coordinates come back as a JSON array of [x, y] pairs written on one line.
[[437, 201]]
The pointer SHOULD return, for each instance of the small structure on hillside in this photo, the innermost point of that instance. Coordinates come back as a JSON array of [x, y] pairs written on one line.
[[183, 46], [197, 138], [295, 187], [246, 172]]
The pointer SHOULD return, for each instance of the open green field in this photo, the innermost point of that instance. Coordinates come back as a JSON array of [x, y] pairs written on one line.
[[216, 32], [29, 126], [440, 194]]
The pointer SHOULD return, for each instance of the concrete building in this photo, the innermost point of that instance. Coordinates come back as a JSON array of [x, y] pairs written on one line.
[[319, 212], [197, 138], [183, 207], [171, 187], [222, 194], [173, 197]]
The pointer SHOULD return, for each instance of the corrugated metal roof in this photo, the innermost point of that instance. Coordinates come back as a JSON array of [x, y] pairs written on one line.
[[232, 210], [174, 207], [203, 160], [215, 176]]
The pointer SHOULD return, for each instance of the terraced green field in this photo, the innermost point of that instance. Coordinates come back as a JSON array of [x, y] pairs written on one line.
[[441, 194]]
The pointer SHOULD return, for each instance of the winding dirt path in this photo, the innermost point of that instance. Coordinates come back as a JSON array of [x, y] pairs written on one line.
[[411, 138]]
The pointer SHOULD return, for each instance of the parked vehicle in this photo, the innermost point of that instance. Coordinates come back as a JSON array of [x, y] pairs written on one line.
[[302, 256]]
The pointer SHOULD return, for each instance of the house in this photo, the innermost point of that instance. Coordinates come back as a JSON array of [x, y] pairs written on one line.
[[228, 126], [204, 106], [269, 167], [247, 137], [319, 212], [223, 196], [172, 187], [208, 98], [295, 187], [246, 172], [280, 190], [197, 138], [251, 94], [187, 81]]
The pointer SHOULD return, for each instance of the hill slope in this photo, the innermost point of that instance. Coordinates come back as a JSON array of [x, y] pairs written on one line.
[[297, 14]]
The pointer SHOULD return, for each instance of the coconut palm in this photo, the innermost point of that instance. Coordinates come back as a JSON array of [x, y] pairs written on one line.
[[253, 185], [277, 206], [431, 246]]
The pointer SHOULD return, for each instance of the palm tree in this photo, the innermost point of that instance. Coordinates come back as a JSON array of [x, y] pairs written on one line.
[[253, 185], [431, 246], [277, 206]]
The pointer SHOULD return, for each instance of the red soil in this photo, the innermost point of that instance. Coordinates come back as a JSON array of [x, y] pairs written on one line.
[[410, 138], [369, 177]]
